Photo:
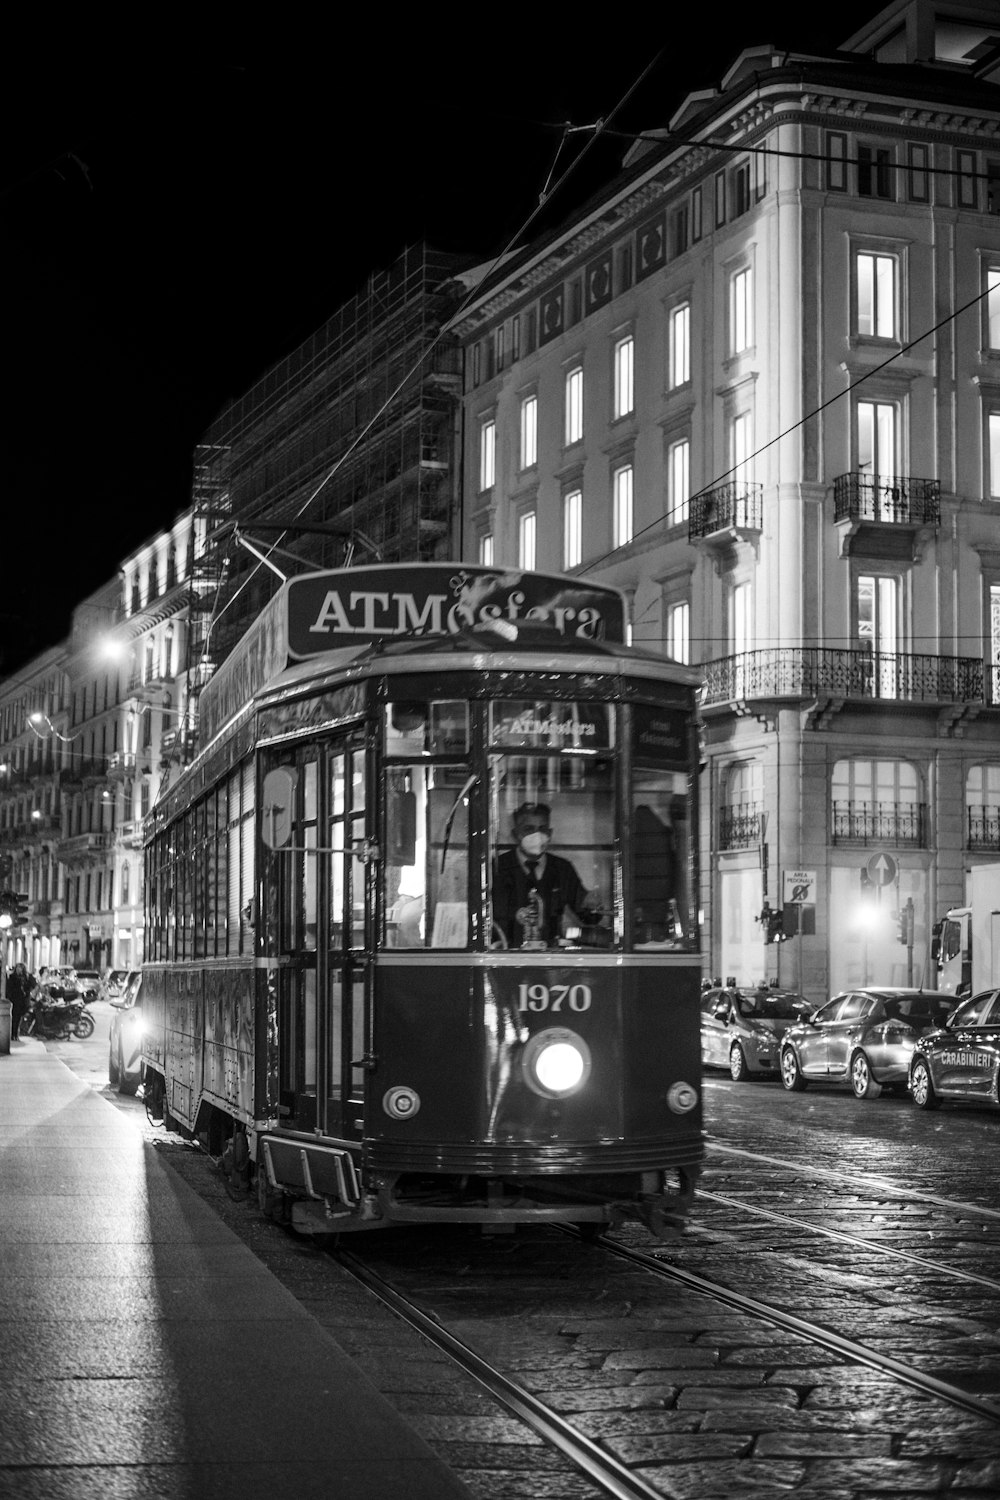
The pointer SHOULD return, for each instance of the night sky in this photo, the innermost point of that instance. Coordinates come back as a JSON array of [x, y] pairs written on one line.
[[182, 208]]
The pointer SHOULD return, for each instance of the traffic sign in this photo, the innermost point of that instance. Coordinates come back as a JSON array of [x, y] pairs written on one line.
[[882, 868], [800, 886]]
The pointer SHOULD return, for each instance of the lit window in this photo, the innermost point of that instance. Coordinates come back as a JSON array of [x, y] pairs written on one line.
[[624, 392], [679, 631], [623, 505], [573, 529], [740, 311], [993, 307], [526, 540], [486, 550], [876, 296], [487, 455], [994, 455], [574, 406], [529, 431], [876, 438], [680, 345], [678, 481]]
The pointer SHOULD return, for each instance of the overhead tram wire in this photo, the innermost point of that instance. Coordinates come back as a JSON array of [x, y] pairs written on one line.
[[545, 196], [838, 396]]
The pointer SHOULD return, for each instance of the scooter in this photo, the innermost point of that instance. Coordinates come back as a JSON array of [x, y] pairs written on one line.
[[55, 1019]]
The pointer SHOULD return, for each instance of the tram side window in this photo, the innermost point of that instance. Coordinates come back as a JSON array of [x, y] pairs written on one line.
[[661, 860], [555, 872]]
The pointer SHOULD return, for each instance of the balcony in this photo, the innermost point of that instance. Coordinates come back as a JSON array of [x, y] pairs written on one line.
[[739, 827], [982, 828], [866, 504], [121, 765], [733, 511], [83, 846], [130, 834], [899, 824], [841, 676]]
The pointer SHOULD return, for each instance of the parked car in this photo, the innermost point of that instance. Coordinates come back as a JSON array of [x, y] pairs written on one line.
[[962, 1059], [125, 1037], [90, 984], [864, 1037], [741, 1028]]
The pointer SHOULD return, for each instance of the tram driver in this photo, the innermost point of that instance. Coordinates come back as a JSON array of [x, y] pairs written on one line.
[[538, 897]]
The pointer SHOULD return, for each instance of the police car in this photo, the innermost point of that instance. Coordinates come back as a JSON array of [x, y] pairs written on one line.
[[962, 1059]]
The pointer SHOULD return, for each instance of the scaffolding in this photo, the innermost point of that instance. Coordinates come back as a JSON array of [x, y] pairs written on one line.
[[354, 432]]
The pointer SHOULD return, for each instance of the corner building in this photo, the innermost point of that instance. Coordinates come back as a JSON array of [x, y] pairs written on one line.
[[755, 383]]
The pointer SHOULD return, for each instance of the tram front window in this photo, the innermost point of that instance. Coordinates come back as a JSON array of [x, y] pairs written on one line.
[[552, 824], [425, 894], [661, 860]]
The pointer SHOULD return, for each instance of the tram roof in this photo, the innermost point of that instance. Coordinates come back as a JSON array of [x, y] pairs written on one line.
[[486, 650]]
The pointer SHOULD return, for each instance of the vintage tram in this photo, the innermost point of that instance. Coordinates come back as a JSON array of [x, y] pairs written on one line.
[[334, 1001]]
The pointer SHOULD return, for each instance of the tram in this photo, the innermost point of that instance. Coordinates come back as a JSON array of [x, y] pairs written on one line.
[[372, 990]]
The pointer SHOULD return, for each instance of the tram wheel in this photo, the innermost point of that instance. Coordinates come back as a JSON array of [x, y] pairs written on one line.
[[921, 1087], [791, 1073], [862, 1081], [739, 1072]]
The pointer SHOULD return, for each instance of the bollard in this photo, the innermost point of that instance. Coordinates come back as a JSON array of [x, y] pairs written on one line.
[[5, 1010]]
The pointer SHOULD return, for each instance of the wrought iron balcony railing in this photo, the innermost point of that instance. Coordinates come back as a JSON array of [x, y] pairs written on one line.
[[892, 499], [811, 671], [82, 844], [893, 823], [739, 827], [729, 507], [982, 828]]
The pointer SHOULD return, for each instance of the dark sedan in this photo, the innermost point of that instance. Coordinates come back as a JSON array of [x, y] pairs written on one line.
[[864, 1037], [962, 1060], [740, 1029]]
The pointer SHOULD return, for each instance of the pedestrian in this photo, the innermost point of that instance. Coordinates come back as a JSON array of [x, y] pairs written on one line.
[[21, 987]]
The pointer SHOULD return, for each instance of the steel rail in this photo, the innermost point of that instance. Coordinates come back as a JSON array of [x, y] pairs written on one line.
[[848, 1349], [871, 1185], [600, 1467], [850, 1239]]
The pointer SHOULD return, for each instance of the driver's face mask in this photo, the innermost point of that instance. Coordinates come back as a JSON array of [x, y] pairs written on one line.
[[534, 844]]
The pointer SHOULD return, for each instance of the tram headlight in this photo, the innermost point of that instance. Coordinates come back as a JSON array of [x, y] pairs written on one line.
[[556, 1063]]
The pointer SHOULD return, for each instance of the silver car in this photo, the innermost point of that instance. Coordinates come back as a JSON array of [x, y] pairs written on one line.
[[741, 1029], [864, 1037], [125, 1037]]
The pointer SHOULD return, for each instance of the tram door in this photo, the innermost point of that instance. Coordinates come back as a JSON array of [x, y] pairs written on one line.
[[320, 938]]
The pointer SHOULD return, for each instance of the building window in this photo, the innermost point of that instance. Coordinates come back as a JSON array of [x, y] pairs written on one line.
[[679, 631], [487, 455], [622, 503], [876, 801], [486, 550], [876, 438], [741, 618], [965, 173], [679, 231], [994, 642], [740, 310], [530, 331], [993, 454], [125, 878], [575, 302], [876, 296], [526, 539], [696, 213], [982, 807], [624, 268], [678, 481], [573, 426], [624, 392], [515, 339], [680, 345], [918, 177], [741, 451], [739, 184], [878, 625], [993, 307], [874, 172], [477, 364], [836, 162], [501, 345], [720, 199], [529, 432], [573, 529]]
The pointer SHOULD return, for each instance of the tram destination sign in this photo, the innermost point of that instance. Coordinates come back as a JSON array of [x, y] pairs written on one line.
[[330, 610]]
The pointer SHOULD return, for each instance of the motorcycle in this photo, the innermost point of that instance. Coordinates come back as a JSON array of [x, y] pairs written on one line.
[[55, 1018]]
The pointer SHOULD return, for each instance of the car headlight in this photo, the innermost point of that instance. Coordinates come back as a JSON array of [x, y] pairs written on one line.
[[556, 1063]]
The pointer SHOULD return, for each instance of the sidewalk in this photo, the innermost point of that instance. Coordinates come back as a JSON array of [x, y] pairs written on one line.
[[146, 1351]]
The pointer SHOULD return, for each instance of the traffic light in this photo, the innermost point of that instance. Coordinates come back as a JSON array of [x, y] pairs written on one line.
[[13, 906], [773, 923], [905, 917]]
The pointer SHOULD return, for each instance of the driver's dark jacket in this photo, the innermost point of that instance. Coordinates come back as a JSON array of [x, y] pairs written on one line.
[[557, 884]]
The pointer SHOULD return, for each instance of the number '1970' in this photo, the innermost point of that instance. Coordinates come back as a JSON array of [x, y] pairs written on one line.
[[554, 997]]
